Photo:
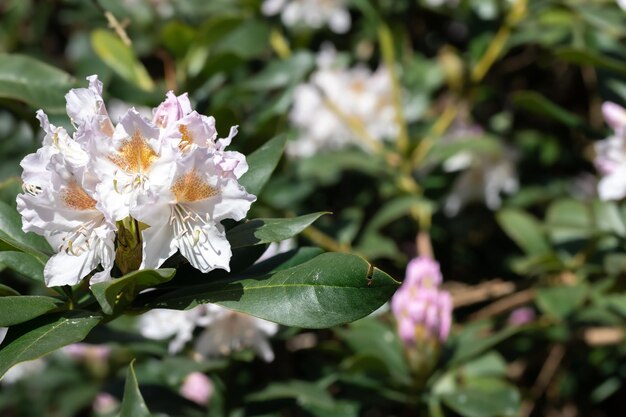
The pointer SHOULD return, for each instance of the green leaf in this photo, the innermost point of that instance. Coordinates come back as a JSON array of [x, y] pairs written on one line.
[[12, 236], [372, 338], [525, 230], [285, 260], [559, 302], [116, 294], [22, 263], [588, 57], [247, 41], [305, 393], [472, 342], [6, 290], [608, 217], [330, 289], [536, 103], [133, 404], [21, 308], [35, 338], [259, 231], [261, 164], [282, 73], [120, 58], [499, 400], [569, 220], [29, 80]]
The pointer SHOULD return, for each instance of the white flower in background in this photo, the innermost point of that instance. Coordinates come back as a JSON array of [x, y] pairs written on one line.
[[171, 172], [23, 370], [229, 331], [162, 324], [622, 4], [610, 157], [486, 174], [363, 96], [311, 13], [437, 3], [486, 179], [225, 330]]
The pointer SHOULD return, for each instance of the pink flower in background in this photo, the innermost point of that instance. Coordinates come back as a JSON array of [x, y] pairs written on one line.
[[421, 308], [197, 387], [105, 403], [521, 316], [610, 158]]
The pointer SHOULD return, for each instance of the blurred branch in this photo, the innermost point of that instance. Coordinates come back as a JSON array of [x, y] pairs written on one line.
[[505, 304], [550, 366], [495, 48], [324, 241], [116, 25], [603, 336], [464, 295], [386, 44]]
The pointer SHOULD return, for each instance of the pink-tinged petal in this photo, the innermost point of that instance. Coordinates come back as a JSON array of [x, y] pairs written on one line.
[[171, 110], [197, 387], [613, 186], [233, 201], [614, 115]]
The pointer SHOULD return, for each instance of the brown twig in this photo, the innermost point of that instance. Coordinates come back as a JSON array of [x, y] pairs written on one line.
[[548, 370], [116, 25], [464, 295], [505, 304]]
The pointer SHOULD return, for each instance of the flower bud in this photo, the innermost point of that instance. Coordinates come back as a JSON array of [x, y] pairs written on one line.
[[197, 387]]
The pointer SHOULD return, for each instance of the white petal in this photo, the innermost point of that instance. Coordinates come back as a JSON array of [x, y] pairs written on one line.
[[158, 245], [66, 269], [210, 251], [339, 21]]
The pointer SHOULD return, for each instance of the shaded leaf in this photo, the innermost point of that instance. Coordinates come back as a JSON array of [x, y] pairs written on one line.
[[12, 236], [21, 308], [261, 164], [117, 293], [133, 404], [258, 231], [22, 263], [525, 230]]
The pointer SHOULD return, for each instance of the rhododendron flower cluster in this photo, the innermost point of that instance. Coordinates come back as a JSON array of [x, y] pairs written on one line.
[[423, 311], [310, 13], [130, 194]]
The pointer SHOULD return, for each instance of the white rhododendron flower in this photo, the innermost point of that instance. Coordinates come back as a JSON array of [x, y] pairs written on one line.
[[225, 331], [363, 96], [610, 158], [311, 13], [171, 173]]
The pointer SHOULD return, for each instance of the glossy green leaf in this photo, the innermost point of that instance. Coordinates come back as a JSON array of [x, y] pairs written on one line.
[[284, 260], [117, 293], [22, 263], [133, 404], [35, 338], [525, 230], [330, 289], [120, 58], [34, 82], [261, 164], [21, 308], [258, 231]]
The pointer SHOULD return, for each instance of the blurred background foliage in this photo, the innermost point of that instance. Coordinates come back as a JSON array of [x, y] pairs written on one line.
[[516, 81]]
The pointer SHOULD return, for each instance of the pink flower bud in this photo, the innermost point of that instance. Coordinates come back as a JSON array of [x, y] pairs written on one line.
[[521, 316], [105, 403], [421, 308], [197, 387]]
